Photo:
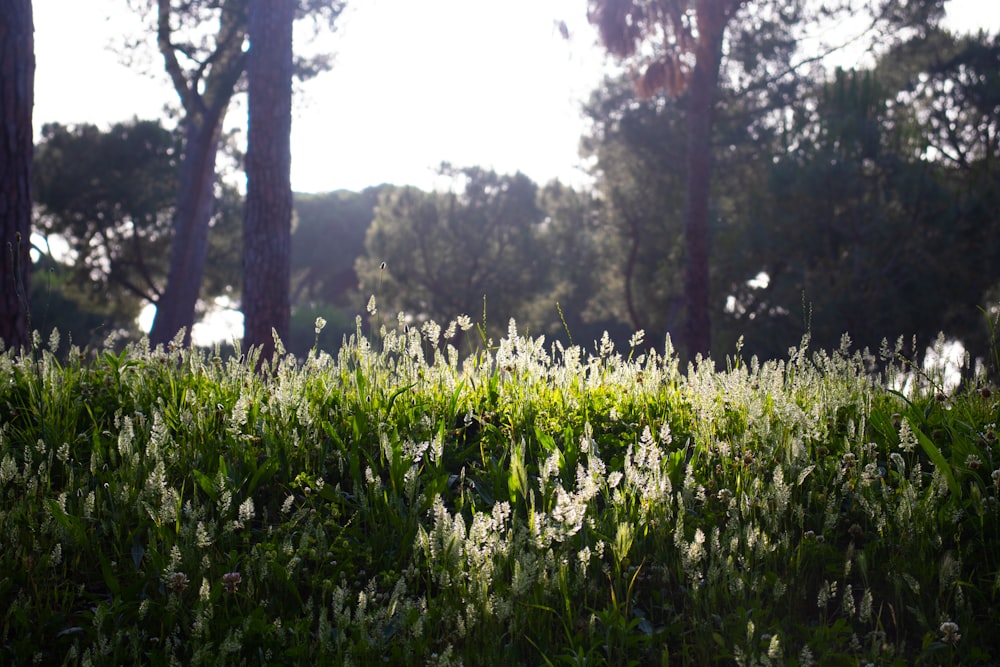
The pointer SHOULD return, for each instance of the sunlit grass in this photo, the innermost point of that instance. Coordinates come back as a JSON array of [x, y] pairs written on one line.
[[527, 503]]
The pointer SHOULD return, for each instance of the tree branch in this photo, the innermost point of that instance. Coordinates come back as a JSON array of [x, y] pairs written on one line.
[[189, 96]]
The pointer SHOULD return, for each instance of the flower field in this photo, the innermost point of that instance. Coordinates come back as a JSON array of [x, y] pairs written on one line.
[[524, 504]]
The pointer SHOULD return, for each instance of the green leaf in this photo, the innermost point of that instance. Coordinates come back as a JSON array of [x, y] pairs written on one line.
[[939, 461], [110, 580], [70, 524], [264, 473], [206, 484], [137, 552], [517, 482]]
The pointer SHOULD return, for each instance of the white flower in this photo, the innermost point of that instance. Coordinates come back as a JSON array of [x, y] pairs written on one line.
[[247, 510], [907, 439], [320, 323], [950, 633], [774, 648]]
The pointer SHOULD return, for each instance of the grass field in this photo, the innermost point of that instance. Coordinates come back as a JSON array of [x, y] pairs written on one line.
[[525, 504]]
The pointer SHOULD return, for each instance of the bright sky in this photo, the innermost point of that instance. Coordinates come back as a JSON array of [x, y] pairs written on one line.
[[416, 82]]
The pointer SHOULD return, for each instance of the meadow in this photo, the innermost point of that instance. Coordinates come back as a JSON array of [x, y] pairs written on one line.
[[518, 503]]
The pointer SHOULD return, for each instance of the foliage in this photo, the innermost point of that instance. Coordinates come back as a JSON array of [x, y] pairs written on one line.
[[488, 244], [206, 68], [110, 195], [526, 505], [638, 150], [866, 227], [840, 212], [328, 235]]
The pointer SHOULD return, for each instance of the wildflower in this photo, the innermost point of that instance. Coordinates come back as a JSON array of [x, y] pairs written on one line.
[[907, 439], [774, 648], [320, 324], [464, 323], [950, 633], [973, 462], [636, 339], [606, 346], [432, 331], [247, 511], [205, 592], [865, 613], [203, 539], [826, 591], [177, 582], [372, 308], [231, 581], [848, 601]]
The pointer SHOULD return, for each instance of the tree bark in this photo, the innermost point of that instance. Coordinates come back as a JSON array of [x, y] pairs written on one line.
[[700, 111], [17, 82], [192, 219], [267, 224], [205, 94]]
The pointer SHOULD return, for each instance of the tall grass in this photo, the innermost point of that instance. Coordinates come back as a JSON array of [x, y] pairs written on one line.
[[528, 504]]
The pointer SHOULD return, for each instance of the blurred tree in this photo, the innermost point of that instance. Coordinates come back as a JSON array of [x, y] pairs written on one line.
[[59, 302], [206, 69], [865, 233], [439, 255], [17, 85], [638, 149], [952, 99], [678, 47], [581, 267], [327, 237], [267, 227], [110, 195], [529, 252]]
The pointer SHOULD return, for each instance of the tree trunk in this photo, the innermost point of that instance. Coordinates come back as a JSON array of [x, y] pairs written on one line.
[[17, 83], [204, 93], [701, 105], [267, 224], [192, 218]]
